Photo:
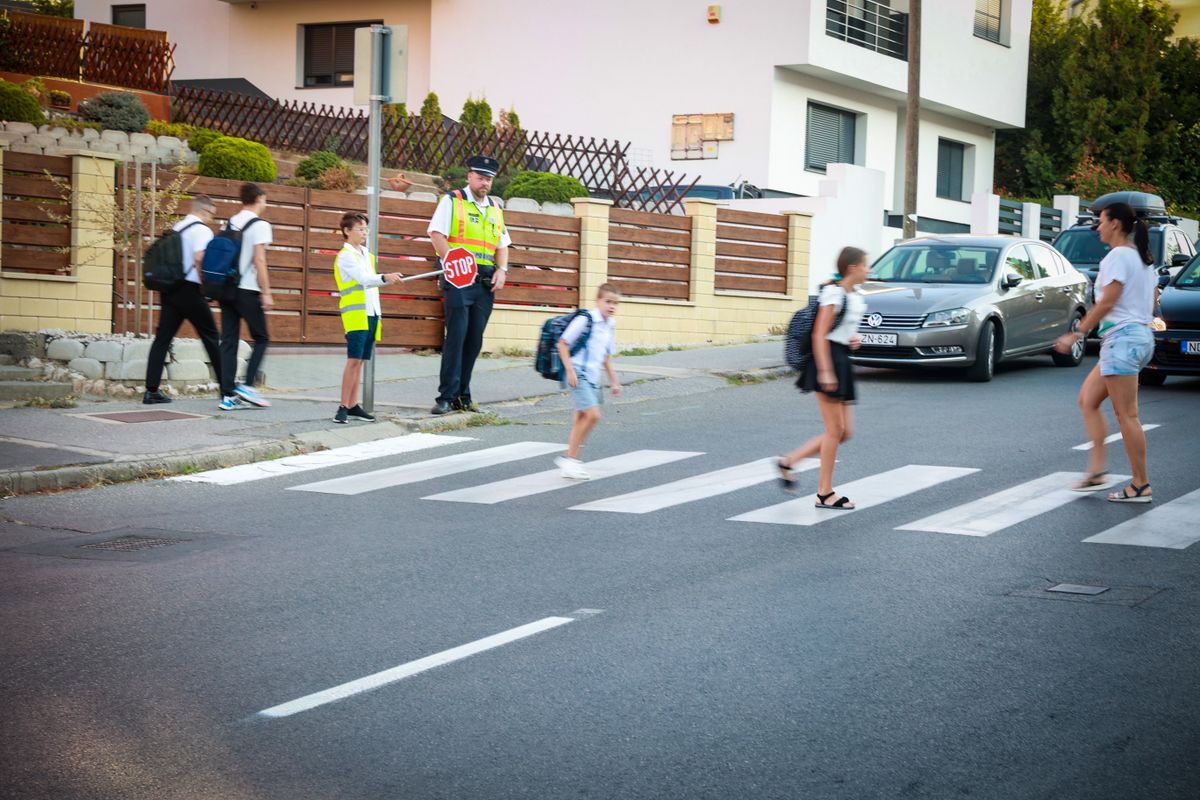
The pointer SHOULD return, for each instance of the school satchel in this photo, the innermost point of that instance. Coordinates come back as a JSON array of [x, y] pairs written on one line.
[[219, 269], [546, 362], [797, 344], [162, 263]]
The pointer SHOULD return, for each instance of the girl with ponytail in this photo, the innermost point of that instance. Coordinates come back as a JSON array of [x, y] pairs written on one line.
[[1124, 308]]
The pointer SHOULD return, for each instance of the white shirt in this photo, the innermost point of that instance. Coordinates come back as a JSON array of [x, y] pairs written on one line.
[[1136, 304], [440, 223], [259, 233], [354, 264], [194, 240], [856, 306], [603, 338]]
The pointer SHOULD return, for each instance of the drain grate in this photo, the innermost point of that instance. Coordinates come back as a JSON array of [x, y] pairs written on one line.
[[143, 416], [125, 544]]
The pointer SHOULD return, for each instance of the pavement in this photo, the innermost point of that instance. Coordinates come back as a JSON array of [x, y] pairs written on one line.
[[99, 441]]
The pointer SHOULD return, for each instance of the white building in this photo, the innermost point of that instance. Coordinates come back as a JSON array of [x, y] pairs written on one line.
[[771, 92]]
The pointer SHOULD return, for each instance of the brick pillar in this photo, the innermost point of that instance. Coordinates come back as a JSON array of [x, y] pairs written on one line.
[[93, 207], [799, 249], [593, 246], [703, 213]]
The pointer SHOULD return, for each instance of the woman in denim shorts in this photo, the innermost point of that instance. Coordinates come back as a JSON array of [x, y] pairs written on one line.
[[1124, 306]]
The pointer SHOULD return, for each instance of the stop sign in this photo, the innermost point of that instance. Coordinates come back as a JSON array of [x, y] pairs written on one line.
[[461, 270]]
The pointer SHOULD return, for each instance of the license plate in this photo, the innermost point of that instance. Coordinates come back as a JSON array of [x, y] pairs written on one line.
[[890, 339], [1191, 348]]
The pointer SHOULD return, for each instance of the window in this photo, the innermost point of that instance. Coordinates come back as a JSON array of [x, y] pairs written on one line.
[[1185, 246], [830, 137], [987, 19], [329, 53], [950, 169], [869, 23], [1046, 265], [1018, 262], [129, 16], [1173, 247]]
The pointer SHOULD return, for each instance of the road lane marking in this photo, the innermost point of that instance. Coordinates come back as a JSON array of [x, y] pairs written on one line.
[[867, 492], [403, 671], [1172, 525], [697, 487], [1004, 509], [428, 470], [291, 465], [548, 481], [1112, 438]]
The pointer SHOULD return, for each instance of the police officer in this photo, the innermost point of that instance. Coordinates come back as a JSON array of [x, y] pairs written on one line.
[[468, 218]]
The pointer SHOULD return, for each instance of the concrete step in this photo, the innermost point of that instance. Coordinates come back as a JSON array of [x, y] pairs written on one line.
[[9, 372], [7, 360], [11, 391]]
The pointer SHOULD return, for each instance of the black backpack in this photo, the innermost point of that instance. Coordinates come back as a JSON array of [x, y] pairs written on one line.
[[221, 264], [797, 344], [162, 264], [547, 362]]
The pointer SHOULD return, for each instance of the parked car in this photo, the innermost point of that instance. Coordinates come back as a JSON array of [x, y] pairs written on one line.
[[1176, 327], [970, 301], [711, 191]]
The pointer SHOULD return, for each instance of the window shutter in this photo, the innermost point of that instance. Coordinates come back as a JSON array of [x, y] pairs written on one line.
[[950, 169], [318, 51], [830, 137], [343, 48]]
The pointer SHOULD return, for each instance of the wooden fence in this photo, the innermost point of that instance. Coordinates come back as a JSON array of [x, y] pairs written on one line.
[[34, 232], [35, 44], [751, 251], [649, 255]]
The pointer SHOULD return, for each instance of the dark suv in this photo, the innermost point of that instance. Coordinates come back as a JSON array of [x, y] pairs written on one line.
[[1169, 245]]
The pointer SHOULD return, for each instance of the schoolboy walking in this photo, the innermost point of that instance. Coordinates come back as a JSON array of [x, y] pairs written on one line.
[[250, 303], [581, 372], [358, 300]]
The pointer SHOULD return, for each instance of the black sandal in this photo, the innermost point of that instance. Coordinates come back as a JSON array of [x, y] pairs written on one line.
[[841, 504], [787, 478], [1092, 482], [1139, 494]]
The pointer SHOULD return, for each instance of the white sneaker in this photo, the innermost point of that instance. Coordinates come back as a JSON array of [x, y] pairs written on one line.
[[572, 468]]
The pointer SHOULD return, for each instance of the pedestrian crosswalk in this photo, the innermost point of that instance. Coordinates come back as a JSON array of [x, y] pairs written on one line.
[[1169, 524]]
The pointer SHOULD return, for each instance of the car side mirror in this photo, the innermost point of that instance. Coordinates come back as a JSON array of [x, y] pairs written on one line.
[[1164, 270], [1011, 279], [1179, 259], [1163, 280]]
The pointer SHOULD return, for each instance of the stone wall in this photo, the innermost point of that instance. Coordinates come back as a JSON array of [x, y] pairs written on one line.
[[52, 140]]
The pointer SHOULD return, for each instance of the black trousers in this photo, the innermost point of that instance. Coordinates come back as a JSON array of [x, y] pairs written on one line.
[[247, 306], [184, 303], [464, 339]]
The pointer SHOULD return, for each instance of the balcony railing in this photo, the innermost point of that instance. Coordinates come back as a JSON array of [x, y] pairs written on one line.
[[869, 23]]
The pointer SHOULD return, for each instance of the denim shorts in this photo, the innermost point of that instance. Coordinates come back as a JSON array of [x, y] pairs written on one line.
[[361, 344], [586, 395], [1126, 350]]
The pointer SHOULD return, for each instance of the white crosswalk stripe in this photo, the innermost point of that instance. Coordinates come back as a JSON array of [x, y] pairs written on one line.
[[867, 492], [697, 487], [1172, 525], [1001, 510], [429, 470], [550, 480], [1112, 438]]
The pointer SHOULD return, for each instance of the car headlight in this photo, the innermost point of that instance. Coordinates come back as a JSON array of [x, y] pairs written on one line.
[[952, 316], [1158, 324]]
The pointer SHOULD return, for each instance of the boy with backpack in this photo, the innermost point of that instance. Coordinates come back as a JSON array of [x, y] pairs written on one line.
[[581, 372], [249, 301]]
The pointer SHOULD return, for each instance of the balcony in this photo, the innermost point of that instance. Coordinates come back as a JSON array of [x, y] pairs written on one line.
[[869, 23]]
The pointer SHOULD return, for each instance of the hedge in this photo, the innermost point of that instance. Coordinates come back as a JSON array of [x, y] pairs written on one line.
[[237, 159], [18, 105]]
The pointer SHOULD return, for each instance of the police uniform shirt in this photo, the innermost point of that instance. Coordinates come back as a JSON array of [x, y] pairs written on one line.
[[354, 264], [442, 216], [194, 240]]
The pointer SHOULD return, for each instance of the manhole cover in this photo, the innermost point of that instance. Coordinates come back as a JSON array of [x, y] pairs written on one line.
[[125, 544], [1087, 593], [144, 416]]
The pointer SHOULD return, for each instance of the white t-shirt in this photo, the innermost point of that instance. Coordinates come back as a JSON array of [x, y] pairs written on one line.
[[440, 223], [1136, 304], [194, 240], [856, 306], [259, 233], [590, 359], [355, 264]]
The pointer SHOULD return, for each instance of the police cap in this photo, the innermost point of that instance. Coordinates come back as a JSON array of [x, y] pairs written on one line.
[[484, 165]]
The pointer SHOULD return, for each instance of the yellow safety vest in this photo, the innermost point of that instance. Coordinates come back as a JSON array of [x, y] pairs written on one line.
[[352, 301], [477, 232]]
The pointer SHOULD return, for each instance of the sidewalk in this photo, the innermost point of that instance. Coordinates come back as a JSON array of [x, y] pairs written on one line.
[[50, 448]]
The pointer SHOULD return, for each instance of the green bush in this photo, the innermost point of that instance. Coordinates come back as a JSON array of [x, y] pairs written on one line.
[[544, 187], [311, 168], [431, 110], [238, 160], [75, 124], [339, 179], [59, 97], [117, 111], [18, 105], [157, 127], [476, 114], [200, 138]]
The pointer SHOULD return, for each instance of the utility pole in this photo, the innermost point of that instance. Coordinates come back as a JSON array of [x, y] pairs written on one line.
[[912, 118], [379, 73]]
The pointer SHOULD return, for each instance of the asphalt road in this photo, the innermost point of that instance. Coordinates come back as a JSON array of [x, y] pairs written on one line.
[[681, 654]]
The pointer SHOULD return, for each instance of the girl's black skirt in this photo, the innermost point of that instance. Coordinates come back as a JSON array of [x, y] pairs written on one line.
[[843, 370]]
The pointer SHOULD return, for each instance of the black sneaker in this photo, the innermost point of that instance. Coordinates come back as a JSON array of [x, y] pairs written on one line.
[[340, 417], [151, 398], [358, 413]]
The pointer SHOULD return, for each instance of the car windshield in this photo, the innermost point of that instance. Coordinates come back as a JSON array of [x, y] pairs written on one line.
[[1083, 246], [936, 263], [1190, 276]]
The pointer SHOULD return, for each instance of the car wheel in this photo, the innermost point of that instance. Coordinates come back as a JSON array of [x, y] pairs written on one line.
[[985, 355], [1151, 378], [1074, 356]]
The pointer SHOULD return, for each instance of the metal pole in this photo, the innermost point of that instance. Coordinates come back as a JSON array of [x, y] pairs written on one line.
[[912, 124], [379, 37], [153, 212]]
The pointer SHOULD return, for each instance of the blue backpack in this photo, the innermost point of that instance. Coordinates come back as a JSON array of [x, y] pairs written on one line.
[[219, 268], [547, 362]]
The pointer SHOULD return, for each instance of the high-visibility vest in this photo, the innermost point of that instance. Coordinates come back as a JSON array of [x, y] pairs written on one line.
[[476, 231], [352, 301]]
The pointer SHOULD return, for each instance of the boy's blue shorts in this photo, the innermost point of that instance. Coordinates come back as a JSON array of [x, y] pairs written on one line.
[[361, 344], [586, 395]]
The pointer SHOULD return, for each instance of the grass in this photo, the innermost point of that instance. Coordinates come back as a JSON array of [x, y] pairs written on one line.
[[470, 421], [509, 352], [42, 402], [744, 379], [777, 330]]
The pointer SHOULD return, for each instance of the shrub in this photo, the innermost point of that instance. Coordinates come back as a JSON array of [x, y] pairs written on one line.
[[476, 114], [36, 88], [545, 187], [311, 168], [431, 110], [338, 179], [179, 130], [200, 138], [75, 124], [118, 111], [18, 105], [238, 160], [60, 98]]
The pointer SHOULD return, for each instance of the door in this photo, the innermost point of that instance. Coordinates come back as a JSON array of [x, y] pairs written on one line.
[[1021, 306], [1059, 292]]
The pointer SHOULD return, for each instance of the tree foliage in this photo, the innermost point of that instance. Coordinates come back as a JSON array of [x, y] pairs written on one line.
[[55, 8], [477, 114]]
